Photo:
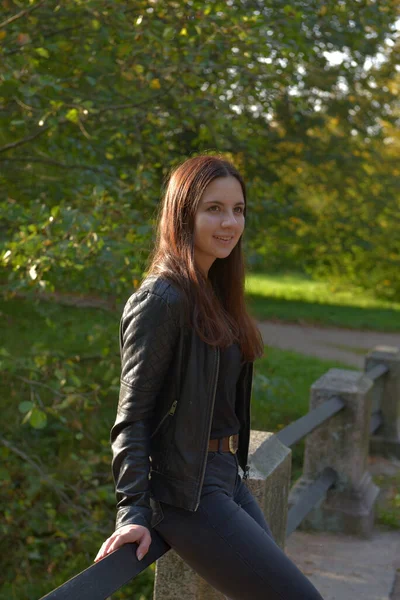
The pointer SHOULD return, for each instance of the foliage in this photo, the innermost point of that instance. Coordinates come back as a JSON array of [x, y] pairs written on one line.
[[88, 251], [99, 99], [59, 389], [353, 237], [56, 484]]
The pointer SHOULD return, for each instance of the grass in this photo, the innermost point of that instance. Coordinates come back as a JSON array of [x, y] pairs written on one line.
[[295, 298], [388, 506], [289, 377]]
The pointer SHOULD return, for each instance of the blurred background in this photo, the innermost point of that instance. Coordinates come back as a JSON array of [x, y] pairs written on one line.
[[98, 101]]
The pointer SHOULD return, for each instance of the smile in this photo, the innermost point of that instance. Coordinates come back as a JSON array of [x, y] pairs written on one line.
[[223, 239]]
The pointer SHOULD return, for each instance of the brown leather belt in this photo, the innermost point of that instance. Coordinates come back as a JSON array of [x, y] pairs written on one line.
[[230, 443]]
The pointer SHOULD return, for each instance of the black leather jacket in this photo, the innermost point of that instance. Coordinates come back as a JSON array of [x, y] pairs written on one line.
[[160, 436]]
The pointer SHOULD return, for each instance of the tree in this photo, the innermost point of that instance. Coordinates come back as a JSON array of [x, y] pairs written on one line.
[[100, 99]]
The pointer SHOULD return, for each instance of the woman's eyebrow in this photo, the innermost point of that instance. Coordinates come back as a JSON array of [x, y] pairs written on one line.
[[222, 203]]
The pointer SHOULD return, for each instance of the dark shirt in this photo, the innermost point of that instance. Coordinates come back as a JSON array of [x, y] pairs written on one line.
[[225, 421]]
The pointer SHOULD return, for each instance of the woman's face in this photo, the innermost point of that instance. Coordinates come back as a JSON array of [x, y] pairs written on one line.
[[219, 215]]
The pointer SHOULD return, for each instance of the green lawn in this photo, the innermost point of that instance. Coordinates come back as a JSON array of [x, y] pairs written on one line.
[[296, 298]]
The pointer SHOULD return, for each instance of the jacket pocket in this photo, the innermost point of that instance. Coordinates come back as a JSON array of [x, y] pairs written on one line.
[[170, 413]]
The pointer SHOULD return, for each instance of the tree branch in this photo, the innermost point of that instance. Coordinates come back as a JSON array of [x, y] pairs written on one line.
[[54, 484], [21, 14], [55, 163], [29, 138], [134, 105], [45, 36]]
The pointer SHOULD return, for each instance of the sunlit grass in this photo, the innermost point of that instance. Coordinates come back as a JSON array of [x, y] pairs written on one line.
[[296, 298], [299, 287]]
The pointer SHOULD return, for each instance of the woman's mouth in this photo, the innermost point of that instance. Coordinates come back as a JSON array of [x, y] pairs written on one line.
[[224, 239]]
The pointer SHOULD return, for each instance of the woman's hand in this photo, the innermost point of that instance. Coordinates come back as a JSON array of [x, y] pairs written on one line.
[[125, 535]]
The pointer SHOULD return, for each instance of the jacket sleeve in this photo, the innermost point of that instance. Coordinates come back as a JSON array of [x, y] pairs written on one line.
[[149, 331]]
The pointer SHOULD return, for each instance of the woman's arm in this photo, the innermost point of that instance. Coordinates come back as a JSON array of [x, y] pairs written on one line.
[[149, 331]]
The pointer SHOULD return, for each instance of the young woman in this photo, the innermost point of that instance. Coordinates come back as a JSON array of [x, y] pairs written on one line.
[[183, 420]]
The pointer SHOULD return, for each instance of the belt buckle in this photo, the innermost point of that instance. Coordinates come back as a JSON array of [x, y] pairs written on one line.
[[231, 445]]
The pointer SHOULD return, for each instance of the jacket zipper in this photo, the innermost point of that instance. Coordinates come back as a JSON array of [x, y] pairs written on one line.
[[170, 412], [175, 402], [209, 429]]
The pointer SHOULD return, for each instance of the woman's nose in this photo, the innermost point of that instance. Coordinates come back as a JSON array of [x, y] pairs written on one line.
[[229, 220]]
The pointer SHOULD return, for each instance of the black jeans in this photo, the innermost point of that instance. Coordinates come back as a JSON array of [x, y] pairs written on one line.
[[228, 542]]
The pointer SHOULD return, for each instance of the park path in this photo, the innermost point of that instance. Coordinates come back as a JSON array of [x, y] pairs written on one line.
[[326, 342], [343, 567], [346, 567]]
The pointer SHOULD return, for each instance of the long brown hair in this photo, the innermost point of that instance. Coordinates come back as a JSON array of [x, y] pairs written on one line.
[[219, 313]]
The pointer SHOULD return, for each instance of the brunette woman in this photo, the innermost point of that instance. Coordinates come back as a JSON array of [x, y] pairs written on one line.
[[181, 436]]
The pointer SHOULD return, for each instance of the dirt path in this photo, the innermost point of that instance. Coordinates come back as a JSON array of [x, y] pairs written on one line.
[[346, 345]]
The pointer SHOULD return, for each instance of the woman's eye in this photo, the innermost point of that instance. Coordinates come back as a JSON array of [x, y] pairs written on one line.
[[238, 209]]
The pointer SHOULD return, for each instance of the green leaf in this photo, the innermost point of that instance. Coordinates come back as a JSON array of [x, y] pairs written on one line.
[[43, 52], [91, 80], [72, 115], [25, 406], [168, 33], [75, 380], [38, 418]]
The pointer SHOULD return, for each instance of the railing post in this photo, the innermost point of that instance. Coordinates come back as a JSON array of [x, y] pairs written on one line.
[[341, 443], [386, 440], [269, 482], [175, 580]]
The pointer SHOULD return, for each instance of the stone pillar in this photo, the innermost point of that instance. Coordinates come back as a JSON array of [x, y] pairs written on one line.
[[175, 580], [341, 443], [269, 482], [386, 439]]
